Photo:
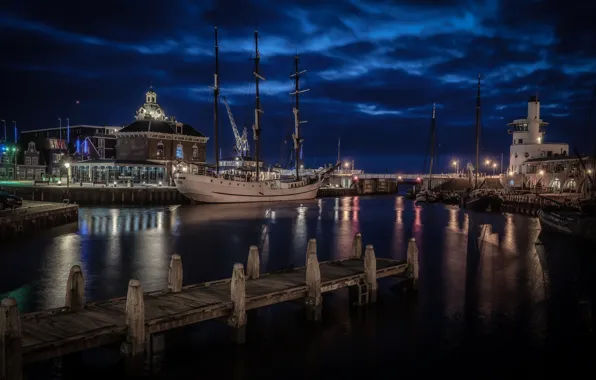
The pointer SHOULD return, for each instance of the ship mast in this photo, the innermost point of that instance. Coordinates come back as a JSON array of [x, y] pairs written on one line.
[[215, 105], [257, 125], [593, 187], [432, 149], [477, 135], [296, 136]]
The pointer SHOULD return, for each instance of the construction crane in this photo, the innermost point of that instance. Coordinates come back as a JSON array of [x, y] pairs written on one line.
[[241, 141]]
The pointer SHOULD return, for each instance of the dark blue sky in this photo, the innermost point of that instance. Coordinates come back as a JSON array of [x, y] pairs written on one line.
[[374, 69]]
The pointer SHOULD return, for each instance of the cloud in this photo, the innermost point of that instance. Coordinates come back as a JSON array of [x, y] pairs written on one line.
[[374, 68]]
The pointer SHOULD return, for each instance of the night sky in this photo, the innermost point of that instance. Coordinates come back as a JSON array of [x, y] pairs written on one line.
[[374, 70]]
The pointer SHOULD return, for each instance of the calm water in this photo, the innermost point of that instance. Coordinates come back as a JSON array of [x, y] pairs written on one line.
[[523, 307]]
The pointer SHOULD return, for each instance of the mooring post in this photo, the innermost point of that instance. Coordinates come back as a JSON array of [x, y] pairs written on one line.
[[175, 274], [75, 289], [11, 360], [370, 272], [314, 299], [357, 246], [135, 320], [253, 264], [413, 263], [238, 295]]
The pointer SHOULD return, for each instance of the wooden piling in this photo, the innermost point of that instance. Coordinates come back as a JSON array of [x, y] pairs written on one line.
[[10, 341], [413, 263], [238, 296], [357, 246], [370, 272], [314, 299], [75, 289], [135, 319], [253, 264], [175, 274]]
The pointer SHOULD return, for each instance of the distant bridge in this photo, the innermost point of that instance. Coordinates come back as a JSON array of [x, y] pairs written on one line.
[[360, 174]]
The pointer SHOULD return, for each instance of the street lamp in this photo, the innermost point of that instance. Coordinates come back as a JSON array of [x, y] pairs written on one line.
[[494, 167], [456, 164], [14, 162], [67, 166]]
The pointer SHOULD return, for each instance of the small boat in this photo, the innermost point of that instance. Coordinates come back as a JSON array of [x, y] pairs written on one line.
[[485, 200], [569, 221], [450, 198], [426, 196]]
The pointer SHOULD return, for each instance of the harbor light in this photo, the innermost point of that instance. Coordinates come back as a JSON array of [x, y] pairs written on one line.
[[399, 178], [511, 172], [487, 162], [539, 139], [347, 165], [418, 179], [541, 172], [589, 171]]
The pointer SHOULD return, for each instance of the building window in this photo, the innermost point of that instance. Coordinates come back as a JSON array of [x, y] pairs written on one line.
[[32, 146], [160, 152], [34, 161], [179, 152], [27, 160], [5, 158], [195, 152], [55, 158]]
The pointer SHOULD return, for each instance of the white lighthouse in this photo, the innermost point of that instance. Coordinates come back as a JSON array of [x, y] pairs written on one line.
[[528, 139]]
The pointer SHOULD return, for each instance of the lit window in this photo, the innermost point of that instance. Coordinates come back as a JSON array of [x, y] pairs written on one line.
[[160, 150], [34, 161], [179, 152], [27, 160], [195, 152]]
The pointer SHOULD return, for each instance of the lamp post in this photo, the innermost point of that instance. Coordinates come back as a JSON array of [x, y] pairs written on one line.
[[14, 161], [456, 164], [494, 167], [67, 166]]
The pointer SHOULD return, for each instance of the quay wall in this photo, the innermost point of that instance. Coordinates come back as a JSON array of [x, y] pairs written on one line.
[[96, 196], [36, 216]]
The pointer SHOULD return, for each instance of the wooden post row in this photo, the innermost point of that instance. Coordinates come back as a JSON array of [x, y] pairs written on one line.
[[370, 273], [357, 246], [413, 263], [175, 274], [75, 289], [314, 299], [238, 296], [10, 341]]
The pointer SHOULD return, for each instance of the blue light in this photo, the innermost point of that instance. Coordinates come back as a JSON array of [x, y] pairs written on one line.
[[78, 145], [85, 147]]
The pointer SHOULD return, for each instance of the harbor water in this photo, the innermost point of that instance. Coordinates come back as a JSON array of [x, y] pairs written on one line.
[[521, 308]]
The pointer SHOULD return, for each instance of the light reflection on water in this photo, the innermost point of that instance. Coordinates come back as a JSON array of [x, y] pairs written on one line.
[[113, 245]]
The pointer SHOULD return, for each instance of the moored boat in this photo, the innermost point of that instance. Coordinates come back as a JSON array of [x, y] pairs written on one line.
[[250, 183], [426, 196], [569, 221], [484, 200]]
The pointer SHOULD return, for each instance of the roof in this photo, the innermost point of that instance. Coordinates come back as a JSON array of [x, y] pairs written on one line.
[[555, 158], [159, 126]]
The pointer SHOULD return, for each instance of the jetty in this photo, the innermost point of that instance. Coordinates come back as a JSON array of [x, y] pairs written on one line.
[[35, 216], [138, 318]]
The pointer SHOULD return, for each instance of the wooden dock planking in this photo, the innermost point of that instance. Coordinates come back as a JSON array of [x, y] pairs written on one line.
[[60, 331]]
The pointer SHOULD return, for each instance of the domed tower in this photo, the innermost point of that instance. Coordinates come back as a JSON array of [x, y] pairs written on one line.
[[150, 110]]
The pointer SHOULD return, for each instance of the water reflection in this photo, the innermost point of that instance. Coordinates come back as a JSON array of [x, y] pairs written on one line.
[[113, 245]]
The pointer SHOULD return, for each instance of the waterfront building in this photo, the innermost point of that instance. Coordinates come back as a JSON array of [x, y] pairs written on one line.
[[541, 165], [149, 150], [8, 157], [72, 143]]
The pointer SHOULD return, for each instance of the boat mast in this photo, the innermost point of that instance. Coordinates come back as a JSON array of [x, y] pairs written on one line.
[[477, 135], [593, 187], [215, 105], [432, 149], [296, 136], [257, 125]]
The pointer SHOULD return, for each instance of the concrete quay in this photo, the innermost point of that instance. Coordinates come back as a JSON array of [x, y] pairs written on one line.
[[36, 216]]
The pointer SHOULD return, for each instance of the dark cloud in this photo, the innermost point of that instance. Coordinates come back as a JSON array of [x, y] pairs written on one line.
[[374, 68]]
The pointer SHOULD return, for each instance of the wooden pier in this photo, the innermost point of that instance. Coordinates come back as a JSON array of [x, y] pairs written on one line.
[[135, 320], [35, 216], [530, 204]]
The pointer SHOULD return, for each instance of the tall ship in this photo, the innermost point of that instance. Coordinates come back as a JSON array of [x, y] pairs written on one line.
[[250, 183]]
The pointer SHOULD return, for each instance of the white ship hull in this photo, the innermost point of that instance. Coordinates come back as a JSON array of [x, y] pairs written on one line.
[[207, 189]]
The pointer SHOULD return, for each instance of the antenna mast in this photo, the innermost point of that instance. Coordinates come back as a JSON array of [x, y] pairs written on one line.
[[296, 136], [215, 105], [477, 135], [432, 149]]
